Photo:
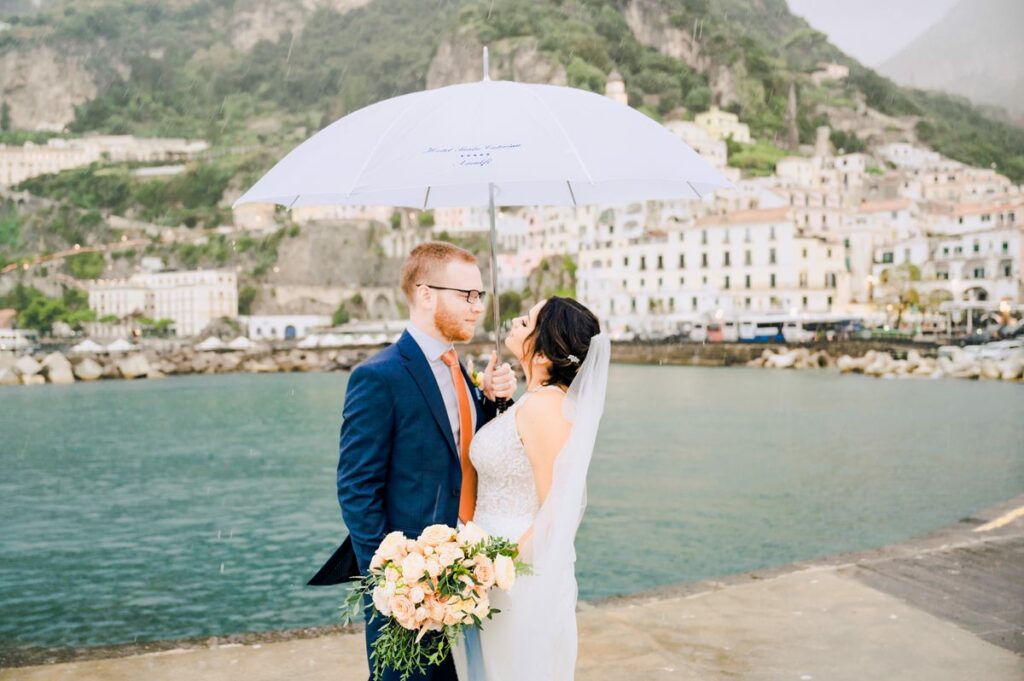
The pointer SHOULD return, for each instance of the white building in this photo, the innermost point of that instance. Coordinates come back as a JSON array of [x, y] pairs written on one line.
[[282, 327], [745, 262], [190, 299], [723, 125], [19, 163]]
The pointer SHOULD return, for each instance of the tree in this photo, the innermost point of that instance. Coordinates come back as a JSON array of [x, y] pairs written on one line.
[[340, 316], [510, 305], [245, 299], [5, 116]]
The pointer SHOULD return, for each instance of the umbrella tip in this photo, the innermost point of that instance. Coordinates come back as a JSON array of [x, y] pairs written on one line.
[[487, 66]]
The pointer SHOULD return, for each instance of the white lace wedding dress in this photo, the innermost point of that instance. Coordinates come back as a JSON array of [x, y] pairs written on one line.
[[506, 505]]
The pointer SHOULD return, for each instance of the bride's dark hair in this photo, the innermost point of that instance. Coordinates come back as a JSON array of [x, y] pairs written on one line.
[[562, 334]]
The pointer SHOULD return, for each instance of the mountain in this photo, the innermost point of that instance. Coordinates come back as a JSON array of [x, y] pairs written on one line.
[[975, 50]]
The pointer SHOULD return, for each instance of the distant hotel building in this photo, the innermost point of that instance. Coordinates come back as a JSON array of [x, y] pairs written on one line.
[[190, 299]]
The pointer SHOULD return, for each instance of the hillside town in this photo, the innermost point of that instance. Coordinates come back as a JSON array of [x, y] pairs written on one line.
[[895, 238]]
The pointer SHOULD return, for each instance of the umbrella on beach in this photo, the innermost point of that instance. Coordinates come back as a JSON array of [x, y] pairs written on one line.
[[493, 143]]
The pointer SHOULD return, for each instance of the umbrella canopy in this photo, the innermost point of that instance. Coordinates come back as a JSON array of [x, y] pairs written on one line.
[[241, 343], [88, 345], [536, 144], [310, 341], [120, 345], [211, 343]]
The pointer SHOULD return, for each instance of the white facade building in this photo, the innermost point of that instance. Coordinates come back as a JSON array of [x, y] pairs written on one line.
[[282, 327], [190, 299]]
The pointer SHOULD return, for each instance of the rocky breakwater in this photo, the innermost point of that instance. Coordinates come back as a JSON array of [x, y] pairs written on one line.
[[57, 368], [951, 363]]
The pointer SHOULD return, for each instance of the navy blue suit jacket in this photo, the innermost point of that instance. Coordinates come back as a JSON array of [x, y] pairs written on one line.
[[398, 463]]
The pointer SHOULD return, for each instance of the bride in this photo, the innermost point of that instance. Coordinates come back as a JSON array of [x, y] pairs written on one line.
[[531, 464]]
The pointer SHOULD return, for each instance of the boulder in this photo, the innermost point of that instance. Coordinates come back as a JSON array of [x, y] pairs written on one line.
[[8, 377], [88, 370], [261, 365], [33, 379], [26, 365], [155, 374], [881, 364], [7, 360], [58, 369], [1012, 369], [134, 366], [786, 360], [989, 369]]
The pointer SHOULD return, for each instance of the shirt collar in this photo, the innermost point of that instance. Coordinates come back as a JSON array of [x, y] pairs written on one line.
[[431, 347]]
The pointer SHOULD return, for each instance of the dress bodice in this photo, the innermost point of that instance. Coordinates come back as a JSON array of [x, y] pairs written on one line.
[[506, 500]]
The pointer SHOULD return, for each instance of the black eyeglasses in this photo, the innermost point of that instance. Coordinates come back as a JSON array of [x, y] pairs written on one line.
[[472, 295]]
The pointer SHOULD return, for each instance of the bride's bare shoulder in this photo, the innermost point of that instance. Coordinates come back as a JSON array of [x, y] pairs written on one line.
[[542, 412]]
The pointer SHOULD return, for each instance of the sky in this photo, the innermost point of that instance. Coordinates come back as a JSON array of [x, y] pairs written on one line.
[[871, 31]]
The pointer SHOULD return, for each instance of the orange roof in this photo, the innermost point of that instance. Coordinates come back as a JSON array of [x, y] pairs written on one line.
[[741, 217], [885, 206], [982, 208]]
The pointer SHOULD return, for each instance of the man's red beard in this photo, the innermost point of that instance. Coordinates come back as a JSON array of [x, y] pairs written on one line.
[[450, 325]]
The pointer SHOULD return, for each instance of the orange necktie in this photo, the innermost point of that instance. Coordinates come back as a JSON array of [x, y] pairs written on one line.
[[467, 499]]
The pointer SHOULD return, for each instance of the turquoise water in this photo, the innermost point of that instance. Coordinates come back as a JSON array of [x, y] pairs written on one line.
[[200, 505]]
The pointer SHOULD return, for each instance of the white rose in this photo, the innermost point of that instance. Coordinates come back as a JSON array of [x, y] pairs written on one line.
[[413, 567], [417, 594], [393, 546], [449, 553], [472, 534], [436, 534], [504, 572], [434, 567], [381, 599]]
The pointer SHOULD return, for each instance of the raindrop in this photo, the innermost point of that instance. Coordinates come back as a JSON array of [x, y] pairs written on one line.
[[222, 568]]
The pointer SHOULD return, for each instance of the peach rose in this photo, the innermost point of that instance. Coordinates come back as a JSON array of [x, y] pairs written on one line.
[[413, 567], [422, 615], [391, 574], [404, 611], [393, 546], [381, 601], [434, 567], [472, 534], [504, 572], [483, 606], [436, 534], [483, 572], [377, 561], [435, 610], [417, 594], [449, 553]]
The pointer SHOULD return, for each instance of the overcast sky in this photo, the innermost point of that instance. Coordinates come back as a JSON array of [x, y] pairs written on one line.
[[871, 30]]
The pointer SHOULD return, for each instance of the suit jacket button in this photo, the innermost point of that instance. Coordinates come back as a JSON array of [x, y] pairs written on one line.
[[455, 491]]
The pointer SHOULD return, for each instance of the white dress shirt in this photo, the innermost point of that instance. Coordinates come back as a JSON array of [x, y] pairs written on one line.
[[432, 350]]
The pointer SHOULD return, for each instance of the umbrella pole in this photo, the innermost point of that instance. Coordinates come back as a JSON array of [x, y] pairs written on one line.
[[502, 403]]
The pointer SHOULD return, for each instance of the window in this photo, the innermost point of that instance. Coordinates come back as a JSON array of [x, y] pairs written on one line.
[[643, 263], [746, 258], [632, 304], [693, 302], [1007, 269], [746, 235], [746, 303], [703, 259], [771, 256], [804, 302], [828, 253], [979, 273], [682, 261], [642, 282], [726, 286], [704, 237], [625, 261], [945, 251], [1006, 247], [772, 281], [661, 263], [671, 304], [682, 281], [771, 233], [887, 257], [803, 280], [977, 246], [725, 259], [746, 281], [804, 254], [830, 301]]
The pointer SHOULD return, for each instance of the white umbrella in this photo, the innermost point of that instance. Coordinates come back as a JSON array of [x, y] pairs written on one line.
[[88, 345], [241, 343], [120, 345], [310, 341], [211, 343], [494, 143], [330, 341]]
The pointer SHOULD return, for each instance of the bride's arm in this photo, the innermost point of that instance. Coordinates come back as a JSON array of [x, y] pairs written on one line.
[[544, 432]]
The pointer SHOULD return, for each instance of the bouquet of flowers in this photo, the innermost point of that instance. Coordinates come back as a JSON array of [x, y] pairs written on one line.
[[436, 583]]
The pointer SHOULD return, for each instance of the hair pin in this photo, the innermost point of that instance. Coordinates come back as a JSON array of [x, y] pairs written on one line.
[[574, 359]]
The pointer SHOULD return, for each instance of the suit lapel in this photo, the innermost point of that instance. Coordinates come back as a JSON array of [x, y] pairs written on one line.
[[419, 368]]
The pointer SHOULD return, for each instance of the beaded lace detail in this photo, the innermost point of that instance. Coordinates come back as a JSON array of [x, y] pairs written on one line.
[[506, 500]]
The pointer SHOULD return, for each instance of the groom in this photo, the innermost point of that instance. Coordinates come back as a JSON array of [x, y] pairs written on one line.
[[410, 414]]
